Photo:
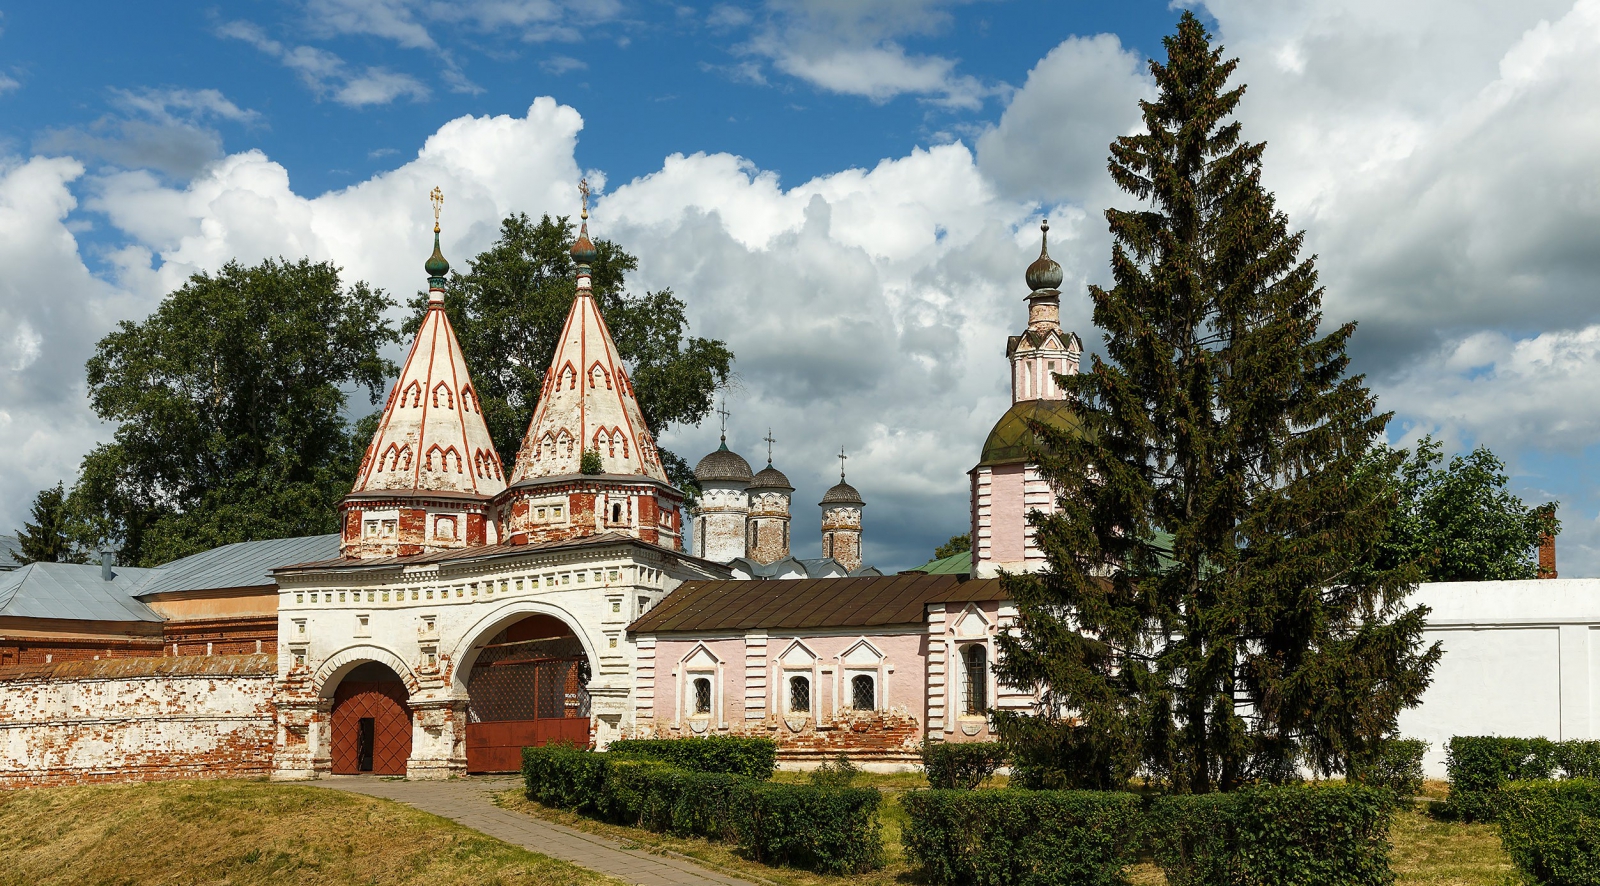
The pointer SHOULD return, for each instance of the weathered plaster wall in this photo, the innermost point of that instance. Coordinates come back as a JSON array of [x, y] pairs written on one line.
[[751, 675], [136, 720]]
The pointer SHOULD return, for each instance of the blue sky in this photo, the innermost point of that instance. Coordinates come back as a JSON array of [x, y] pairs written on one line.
[[844, 190]]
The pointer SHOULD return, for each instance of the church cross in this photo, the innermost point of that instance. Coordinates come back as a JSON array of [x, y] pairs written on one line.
[[842, 457], [583, 188], [770, 441], [723, 411], [436, 197]]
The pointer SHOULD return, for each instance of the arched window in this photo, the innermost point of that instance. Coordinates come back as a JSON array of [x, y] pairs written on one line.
[[863, 694], [799, 694], [702, 696], [468, 399], [413, 393], [449, 398], [616, 512], [975, 680]]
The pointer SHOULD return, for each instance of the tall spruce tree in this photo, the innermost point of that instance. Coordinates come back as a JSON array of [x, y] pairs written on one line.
[[48, 538], [1205, 617]]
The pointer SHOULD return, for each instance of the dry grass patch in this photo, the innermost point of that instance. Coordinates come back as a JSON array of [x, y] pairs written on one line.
[[250, 832], [1429, 852]]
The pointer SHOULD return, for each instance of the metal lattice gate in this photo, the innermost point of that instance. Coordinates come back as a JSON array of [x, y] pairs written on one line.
[[525, 693]]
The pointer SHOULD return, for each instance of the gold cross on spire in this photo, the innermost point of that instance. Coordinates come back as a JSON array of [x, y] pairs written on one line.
[[583, 189], [436, 197], [842, 457]]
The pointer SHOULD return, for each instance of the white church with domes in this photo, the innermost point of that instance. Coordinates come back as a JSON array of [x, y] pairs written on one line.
[[467, 610]]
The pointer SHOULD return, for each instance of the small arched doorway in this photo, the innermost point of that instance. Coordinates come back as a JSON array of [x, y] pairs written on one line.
[[528, 687], [371, 722]]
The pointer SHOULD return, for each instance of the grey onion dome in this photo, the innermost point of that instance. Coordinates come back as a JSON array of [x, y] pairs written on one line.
[[771, 478], [723, 464], [842, 494], [1044, 273]]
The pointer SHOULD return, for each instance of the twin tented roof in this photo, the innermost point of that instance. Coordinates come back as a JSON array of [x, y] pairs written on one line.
[[874, 601]]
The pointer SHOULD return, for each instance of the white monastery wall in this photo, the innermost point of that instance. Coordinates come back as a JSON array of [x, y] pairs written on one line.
[[137, 719], [1521, 658]]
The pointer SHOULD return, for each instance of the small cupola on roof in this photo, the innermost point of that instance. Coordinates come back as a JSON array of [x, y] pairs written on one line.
[[431, 469], [721, 512], [841, 521], [768, 532], [588, 463]]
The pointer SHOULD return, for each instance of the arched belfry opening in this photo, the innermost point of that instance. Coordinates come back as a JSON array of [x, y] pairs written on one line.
[[528, 687], [371, 722]]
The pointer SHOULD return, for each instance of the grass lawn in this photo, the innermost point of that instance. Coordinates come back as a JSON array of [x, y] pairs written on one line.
[[1426, 852], [247, 832]]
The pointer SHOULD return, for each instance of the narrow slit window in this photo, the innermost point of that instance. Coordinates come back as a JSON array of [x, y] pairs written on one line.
[[975, 680]]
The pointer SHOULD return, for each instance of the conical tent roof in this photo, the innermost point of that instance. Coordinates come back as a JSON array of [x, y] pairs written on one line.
[[432, 437], [587, 403]]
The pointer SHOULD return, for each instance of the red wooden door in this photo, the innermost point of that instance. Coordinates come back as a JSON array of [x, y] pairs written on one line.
[[381, 746]]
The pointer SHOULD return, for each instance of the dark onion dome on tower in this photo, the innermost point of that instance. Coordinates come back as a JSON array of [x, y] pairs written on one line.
[[1012, 439], [771, 478], [842, 493], [724, 464], [1044, 273]]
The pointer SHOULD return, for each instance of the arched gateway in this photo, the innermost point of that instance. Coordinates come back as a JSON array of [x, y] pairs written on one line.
[[370, 722], [527, 687]]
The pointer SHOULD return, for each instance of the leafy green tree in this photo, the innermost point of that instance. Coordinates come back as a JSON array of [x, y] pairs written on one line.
[[1202, 614], [1459, 522], [958, 544], [510, 305], [230, 409], [49, 538]]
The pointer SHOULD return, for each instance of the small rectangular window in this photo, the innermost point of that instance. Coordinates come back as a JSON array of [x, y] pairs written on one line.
[[702, 695], [799, 695]]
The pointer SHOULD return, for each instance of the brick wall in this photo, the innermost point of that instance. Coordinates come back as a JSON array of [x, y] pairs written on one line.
[[137, 719]]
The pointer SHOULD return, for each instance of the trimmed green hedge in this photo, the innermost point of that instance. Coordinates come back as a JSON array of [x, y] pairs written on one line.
[[1398, 767], [1551, 830], [961, 765], [1479, 765], [751, 757], [1309, 835], [1022, 838], [833, 830]]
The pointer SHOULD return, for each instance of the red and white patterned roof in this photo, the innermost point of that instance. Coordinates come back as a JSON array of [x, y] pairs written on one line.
[[588, 402], [432, 437]]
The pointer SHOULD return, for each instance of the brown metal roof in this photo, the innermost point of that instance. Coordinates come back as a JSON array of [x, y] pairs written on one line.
[[867, 601]]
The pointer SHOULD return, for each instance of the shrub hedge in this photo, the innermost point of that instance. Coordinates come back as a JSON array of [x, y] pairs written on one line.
[[1022, 838], [960, 766], [833, 830], [1479, 765], [1398, 767], [1551, 830], [751, 757], [1309, 835]]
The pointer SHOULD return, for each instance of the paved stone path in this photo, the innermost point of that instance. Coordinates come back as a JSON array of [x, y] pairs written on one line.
[[468, 801]]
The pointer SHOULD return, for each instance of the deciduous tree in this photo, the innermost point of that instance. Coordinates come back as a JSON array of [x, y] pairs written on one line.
[[1203, 613], [230, 408]]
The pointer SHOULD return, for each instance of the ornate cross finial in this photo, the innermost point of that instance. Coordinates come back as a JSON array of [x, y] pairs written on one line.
[[436, 197], [722, 410], [770, 441], [583, 189], [842, 457]]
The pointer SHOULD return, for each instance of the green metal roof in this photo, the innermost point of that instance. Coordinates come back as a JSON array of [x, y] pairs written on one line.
[[955, 564], [1011, 441]]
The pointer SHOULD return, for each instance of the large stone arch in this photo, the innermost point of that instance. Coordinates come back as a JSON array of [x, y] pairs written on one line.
[[465, 651], [334, 667]]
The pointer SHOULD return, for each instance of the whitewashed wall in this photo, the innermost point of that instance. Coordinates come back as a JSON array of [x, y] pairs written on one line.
[[137, 719], [1521, 658]]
